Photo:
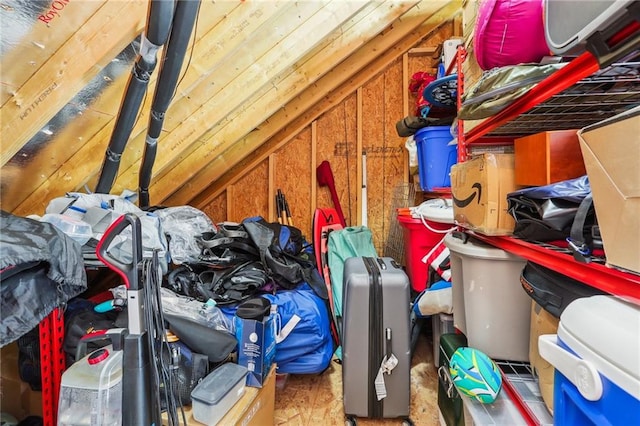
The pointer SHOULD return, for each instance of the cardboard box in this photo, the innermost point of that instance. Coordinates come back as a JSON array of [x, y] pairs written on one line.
[[256, 347], [16, 396], [548, 157], [611, 152], [255, 408], [479, 189]]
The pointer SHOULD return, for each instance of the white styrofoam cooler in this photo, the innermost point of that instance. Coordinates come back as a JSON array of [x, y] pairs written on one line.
[[489, 305], [596, 354]]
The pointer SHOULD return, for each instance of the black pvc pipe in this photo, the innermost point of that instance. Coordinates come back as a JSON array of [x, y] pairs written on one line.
[[170, 66], [159, 18]]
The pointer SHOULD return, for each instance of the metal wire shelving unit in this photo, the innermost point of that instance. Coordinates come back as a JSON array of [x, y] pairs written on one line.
[[606, 93], [577, 95]]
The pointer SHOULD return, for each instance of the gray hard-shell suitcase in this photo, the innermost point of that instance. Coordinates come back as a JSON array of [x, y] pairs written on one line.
[[375, 327]]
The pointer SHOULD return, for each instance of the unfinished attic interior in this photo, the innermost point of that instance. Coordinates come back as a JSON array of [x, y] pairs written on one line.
[[319, 212], [268, 91]]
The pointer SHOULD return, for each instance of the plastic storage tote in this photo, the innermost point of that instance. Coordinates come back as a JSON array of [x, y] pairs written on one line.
[[435, 157], [217, 393], [419, 240], [489, 305]]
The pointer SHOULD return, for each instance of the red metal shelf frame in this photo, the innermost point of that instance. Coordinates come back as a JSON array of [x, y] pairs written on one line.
[[611, 280], [52, 363], [623, 284]]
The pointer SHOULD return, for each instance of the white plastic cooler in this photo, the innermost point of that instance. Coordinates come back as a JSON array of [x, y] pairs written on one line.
[[596, 354]]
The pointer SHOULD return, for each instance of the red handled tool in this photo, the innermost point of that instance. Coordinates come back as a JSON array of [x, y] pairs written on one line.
[[325, 178], [138, 390]]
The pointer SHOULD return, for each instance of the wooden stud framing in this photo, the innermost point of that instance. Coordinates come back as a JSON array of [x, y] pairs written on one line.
[[237, 123], [339, 83]]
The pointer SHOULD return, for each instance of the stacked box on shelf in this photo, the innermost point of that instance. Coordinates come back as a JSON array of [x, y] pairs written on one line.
[[548, 157], [611, 151], [479, 188]]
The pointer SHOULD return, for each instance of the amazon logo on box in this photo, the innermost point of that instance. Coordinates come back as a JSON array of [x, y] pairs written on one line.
[[479, 189]]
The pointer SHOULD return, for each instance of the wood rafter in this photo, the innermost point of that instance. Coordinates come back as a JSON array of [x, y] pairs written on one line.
[[295, 116], [242, 88], [65, 73], [240, 123]]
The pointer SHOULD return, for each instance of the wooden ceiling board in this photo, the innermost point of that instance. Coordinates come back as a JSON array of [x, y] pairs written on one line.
[[253, 73], [83, 167], [31, 35], [218, 51], [340, 82], [239, 123], [241, 91], [206, 98], [105, 34], [82, 163]]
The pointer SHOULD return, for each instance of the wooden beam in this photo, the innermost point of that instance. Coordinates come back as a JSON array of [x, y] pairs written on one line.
[[412, 27], [405, 108], [105, 34], [359, 169], [236, 46], [47, 33], [232, 28], [250, 116], [273, 217], [422, 51], [314, 165], [305, 32]]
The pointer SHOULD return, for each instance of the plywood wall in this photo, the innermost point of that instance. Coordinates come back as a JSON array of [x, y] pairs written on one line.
[[364, 121]]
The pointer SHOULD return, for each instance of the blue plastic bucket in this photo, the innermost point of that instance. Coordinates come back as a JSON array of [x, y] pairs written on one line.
[[435, 157]]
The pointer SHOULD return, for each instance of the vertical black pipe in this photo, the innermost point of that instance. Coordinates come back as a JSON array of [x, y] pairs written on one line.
[[159, 18], [170, 66]]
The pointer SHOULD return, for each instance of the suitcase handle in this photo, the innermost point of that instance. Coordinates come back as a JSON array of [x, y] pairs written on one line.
[[387, 336]]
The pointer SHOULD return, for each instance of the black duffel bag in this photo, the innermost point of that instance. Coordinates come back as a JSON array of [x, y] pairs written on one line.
[[559, 211], [552, 290]]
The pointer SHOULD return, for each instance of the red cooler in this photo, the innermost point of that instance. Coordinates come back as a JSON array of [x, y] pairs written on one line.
[[437, 214]]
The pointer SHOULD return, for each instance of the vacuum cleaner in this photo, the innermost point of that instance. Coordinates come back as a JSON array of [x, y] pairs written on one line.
[[117, 384]]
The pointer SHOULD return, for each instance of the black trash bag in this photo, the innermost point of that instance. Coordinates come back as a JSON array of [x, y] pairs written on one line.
[[215, 344], [547, 213]]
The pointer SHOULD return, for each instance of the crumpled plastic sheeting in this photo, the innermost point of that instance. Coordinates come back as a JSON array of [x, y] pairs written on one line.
[[182, 225]]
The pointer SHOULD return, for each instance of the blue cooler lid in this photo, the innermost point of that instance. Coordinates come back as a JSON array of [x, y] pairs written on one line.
[[605, 330], [218, 383]]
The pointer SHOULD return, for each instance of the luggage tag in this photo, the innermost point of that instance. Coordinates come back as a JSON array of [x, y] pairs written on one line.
[[389, 362]]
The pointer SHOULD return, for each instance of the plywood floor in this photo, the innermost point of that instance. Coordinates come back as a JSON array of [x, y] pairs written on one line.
[[311, 400]]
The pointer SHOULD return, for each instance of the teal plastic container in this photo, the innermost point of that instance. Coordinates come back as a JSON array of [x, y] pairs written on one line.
[[435, 157]]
